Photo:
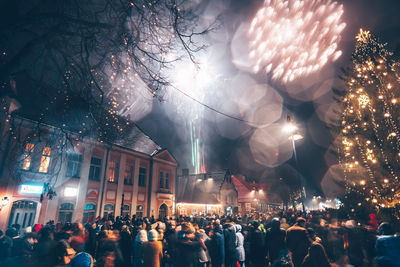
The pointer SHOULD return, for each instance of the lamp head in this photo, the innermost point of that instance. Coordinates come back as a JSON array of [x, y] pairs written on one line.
[[289, 128]]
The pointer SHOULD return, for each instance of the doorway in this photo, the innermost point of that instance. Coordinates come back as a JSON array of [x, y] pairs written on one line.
[[23, 212]]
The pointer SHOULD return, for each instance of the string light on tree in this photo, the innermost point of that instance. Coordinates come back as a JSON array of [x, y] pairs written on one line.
[[368, 127]]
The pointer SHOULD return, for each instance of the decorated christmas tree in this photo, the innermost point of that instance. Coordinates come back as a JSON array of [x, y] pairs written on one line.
[[369, 138]]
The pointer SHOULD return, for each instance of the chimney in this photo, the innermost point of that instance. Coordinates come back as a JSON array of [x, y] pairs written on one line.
[[185, 172]]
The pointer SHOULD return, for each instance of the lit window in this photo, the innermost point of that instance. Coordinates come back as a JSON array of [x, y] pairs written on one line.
[[139, 211], [29, 148], [128, 175], [45, 160], [112, 172]]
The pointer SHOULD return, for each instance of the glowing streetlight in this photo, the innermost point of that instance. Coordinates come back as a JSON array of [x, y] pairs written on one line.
[[291, 129]]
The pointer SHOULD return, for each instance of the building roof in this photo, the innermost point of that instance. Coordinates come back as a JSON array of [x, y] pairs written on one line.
[[200, 188], [74, 115]]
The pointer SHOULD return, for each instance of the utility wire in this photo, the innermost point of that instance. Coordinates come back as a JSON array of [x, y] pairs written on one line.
[[213, 109]]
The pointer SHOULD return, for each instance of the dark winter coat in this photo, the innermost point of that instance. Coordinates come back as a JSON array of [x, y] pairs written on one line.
[[216, 249]]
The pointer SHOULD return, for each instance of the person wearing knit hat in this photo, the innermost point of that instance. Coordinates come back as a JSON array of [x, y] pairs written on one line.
[[152, 251], [139, 243], [82, 259]]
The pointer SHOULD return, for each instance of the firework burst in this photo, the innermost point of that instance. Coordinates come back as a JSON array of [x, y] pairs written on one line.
[[293, 38]]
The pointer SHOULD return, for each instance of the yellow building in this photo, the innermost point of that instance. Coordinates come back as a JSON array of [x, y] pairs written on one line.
[[133, 176]]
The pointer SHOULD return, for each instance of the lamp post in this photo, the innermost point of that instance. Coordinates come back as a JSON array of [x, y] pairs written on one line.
[[291, 129]]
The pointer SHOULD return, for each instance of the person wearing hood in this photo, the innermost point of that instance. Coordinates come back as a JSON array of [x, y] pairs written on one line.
[[239, 245], [275, 240], [140, 241], [217, 246], [230, 247]]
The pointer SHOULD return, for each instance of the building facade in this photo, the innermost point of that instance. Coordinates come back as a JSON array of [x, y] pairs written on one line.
[[202, 194], [255, 197], [49, 180]]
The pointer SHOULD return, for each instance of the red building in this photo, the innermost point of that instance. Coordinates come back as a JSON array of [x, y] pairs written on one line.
[[254, 197]]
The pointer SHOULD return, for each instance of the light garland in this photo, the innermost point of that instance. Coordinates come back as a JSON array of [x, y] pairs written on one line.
[[368, 130]]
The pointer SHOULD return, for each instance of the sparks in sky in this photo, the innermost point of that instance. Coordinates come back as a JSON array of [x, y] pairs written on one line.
[[293, 38]]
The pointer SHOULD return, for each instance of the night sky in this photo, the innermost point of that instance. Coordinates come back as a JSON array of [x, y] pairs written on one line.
[[380, 17], [228, 142]]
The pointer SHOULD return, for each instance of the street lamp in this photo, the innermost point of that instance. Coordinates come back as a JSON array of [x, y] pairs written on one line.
[[4, 202], [291, 129]]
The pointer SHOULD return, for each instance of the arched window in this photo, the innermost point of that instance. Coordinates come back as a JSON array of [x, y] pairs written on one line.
[[126, 211], [89, 213], [163, 211], [65, 212], [108, 211], [139, 211]]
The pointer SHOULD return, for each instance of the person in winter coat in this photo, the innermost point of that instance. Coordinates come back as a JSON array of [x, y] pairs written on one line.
[[298, 241], [257, 249], [239, 245], [202, 254], [91, 243], [140, 241], [109, 252], [316, 257], [275, 240], [152, 250], [125, 243], [387, 246], [217, 244], [230, 248]]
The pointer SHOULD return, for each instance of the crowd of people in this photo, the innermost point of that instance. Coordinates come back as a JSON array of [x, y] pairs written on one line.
[[260, 240]]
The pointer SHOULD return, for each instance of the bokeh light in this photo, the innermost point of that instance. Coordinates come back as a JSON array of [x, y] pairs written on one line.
[[269, 146]]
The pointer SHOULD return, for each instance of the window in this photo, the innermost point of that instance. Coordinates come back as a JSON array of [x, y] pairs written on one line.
[[163, 211], [161, 180], [29, 148], [112, 174], [166, 181], [142, 176], [247, 206], [139, 211], [183, 211], [89, 212], [74, 165], [108, 211], [125, 211], [128, 175], [45, 159], [65, 212], [95, 169]]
